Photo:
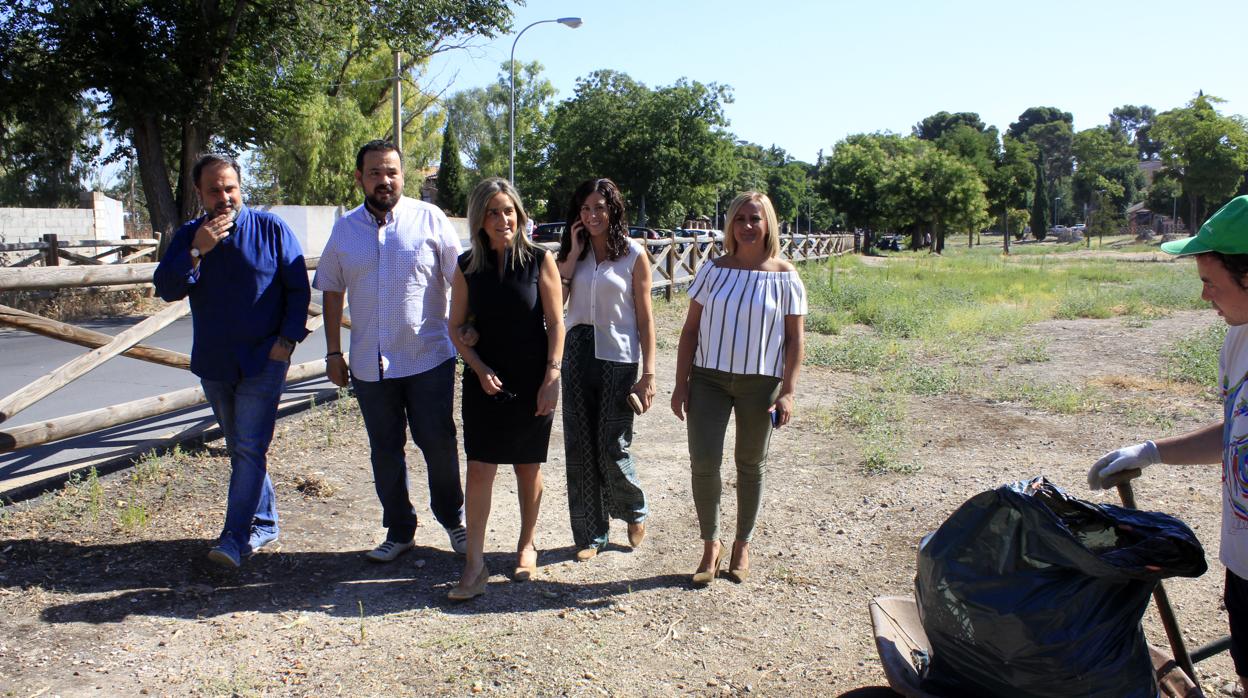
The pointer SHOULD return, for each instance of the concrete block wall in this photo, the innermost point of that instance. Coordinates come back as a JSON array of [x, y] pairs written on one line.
[[99, 218]]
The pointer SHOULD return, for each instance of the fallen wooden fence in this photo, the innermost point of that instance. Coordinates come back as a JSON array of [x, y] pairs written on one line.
[[104, 347]]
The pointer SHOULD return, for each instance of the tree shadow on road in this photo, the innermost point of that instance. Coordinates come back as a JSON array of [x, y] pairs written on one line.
[[172, 578]]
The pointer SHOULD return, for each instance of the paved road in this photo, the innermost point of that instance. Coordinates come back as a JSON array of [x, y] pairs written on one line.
[[26, 357]]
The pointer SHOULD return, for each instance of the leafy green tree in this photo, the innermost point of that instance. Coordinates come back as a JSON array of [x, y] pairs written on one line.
[[1012, 179], [1050, 130], [181, 76], [452, 194], [47, 148], [852, 179], [310, 159], [928, 189], [1207, 151], [1135, 124], [665, 147], [1107, 164], [480, 119], [787, 186], [937, 125]]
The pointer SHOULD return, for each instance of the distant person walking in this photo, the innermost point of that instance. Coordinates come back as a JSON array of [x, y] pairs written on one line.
[[248, 285], [1221, 252], [740, 351], [509, 287], [610, 328], [394, 258]]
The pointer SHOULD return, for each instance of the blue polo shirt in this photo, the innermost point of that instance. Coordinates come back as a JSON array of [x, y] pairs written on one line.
[[249, 290]]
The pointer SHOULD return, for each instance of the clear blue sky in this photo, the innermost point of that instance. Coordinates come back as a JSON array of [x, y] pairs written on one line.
[[806, 73]]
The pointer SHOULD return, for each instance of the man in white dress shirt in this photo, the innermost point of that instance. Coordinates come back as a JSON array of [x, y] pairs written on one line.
[[395, 257]]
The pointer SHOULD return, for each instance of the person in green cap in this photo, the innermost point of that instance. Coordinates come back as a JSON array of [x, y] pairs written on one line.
[[1221, 251]]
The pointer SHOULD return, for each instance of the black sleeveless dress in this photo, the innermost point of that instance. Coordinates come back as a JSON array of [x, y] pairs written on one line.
[[507, 313]]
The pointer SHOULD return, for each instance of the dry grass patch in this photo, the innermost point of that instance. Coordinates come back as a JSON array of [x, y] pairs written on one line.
[[1148, 384]]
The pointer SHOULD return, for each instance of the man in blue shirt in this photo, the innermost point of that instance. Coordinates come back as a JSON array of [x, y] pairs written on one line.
[[248, 285]]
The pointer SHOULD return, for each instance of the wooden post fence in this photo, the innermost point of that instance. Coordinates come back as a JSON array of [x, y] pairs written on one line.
[[673, 261]]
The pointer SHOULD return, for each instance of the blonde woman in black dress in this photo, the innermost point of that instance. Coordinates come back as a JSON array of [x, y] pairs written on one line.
[[510, 289]]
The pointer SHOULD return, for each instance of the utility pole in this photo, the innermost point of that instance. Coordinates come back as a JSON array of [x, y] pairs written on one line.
[[397, 104]]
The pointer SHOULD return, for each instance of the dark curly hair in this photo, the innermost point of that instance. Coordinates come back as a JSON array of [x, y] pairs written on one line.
[[1236, 264], [617, 229]]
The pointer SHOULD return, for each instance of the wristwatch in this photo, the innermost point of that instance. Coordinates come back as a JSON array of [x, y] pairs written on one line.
[[195, 253]]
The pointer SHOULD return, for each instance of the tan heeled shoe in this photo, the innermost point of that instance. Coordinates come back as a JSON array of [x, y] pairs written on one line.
[[736, 572], [702, 578], [524, 573], [470, 590], [636, 534]]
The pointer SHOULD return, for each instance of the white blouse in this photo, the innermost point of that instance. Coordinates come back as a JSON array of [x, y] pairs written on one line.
[[601, 295], [743, 311]]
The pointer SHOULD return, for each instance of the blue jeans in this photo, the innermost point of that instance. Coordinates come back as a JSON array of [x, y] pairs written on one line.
[[246, 409], [423, 403]]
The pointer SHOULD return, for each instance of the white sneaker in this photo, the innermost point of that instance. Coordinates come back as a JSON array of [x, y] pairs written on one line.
[[459, 539], [387, 551]]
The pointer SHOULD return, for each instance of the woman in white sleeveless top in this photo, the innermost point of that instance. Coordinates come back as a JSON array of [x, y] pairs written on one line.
[[740, 351], [610, 329]]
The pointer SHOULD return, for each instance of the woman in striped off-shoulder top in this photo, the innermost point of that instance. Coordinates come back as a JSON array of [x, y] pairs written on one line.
[[740, 351]]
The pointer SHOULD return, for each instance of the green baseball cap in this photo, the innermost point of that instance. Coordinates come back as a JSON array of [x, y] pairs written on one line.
[[1226, 231]]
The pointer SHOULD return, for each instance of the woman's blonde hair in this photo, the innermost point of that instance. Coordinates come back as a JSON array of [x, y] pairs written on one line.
[[522, 248], [771, 239]]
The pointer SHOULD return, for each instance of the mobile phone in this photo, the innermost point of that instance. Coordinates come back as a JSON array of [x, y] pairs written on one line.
[[635, 403], [775, 419]]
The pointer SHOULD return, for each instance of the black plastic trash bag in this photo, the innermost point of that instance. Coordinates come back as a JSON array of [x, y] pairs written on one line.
[[1027, 592]]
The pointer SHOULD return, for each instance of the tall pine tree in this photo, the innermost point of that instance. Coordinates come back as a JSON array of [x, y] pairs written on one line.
[[451, 194]]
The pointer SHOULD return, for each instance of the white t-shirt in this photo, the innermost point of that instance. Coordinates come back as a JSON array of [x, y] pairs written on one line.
[[1232, 374]]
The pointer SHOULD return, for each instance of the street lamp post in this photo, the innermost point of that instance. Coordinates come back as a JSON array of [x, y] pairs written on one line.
[[572, 22], [1055, 200]]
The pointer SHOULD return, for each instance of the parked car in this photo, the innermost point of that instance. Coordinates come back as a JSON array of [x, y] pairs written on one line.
[[548, 232], [638, 232]]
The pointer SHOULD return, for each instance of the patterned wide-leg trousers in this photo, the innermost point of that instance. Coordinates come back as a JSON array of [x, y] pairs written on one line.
[[597, 434]]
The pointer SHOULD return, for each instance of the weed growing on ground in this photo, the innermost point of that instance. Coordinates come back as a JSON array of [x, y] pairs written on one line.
[[94, 493], [923, 380], [241, 683], [822, 322], [133, 516], [1029, 351], [1084, 303], [878, 418], [856, 353], [1193, 358], [1058, 398]]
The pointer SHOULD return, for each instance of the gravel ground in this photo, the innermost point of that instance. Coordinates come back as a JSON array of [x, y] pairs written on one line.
[[103, 588]]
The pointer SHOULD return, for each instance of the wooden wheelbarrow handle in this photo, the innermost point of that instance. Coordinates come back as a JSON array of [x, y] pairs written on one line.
[[1122, 481]]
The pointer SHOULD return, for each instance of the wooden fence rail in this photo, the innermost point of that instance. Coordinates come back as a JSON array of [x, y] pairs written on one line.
[[51, 250], [673, 261]]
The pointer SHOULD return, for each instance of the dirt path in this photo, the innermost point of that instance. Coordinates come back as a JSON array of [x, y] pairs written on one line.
[[89, 606]]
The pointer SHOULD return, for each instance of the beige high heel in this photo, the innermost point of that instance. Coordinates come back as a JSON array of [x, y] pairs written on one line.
[[701, 579]]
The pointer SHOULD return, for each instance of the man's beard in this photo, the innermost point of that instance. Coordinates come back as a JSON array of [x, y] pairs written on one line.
[[377, 202]]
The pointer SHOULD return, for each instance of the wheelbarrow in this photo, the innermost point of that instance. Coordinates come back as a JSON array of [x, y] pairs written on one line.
[[903, 646]]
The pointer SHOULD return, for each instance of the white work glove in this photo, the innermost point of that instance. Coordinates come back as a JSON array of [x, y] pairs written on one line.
[[1135, 457]]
